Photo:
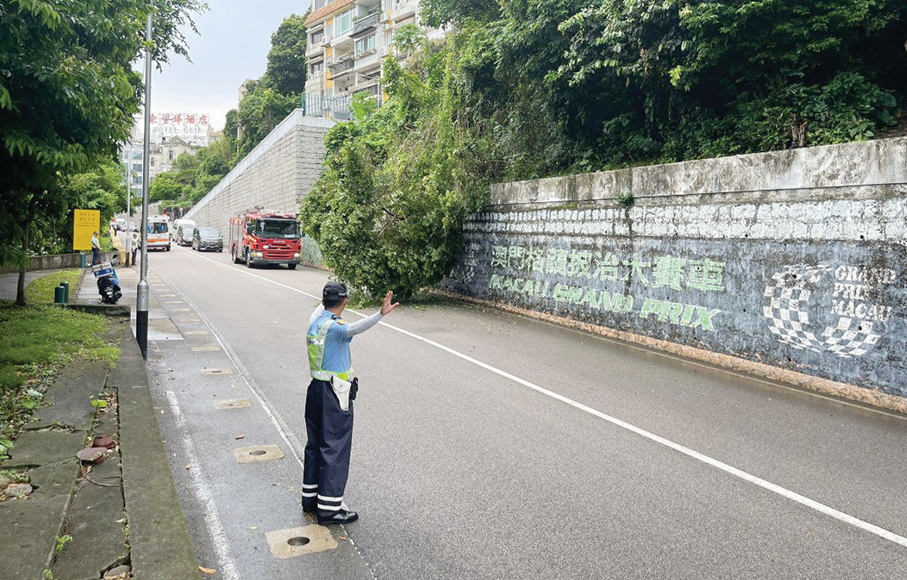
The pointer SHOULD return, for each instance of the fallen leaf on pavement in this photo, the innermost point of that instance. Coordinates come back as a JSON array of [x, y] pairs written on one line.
[[188, 466], [240, 437], [207, 570], [253, 527], [341, 537]]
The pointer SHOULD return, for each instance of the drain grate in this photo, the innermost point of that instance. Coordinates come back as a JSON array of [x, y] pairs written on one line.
[[300, 541], [211, 372]]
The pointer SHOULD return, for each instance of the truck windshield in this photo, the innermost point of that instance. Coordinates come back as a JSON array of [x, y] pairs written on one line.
[[157, 228], [273, 228]]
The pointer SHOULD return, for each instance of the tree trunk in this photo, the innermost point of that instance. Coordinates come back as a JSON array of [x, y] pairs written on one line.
[[20, 286]]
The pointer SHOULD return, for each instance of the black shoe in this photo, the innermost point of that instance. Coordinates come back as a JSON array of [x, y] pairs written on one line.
[[338, 517], [308, 507]]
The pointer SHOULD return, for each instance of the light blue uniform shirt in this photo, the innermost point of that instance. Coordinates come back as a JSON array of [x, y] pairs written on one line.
[[336, 345]]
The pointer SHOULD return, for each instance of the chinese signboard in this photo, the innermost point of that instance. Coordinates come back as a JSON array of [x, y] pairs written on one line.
[[186, 126], [85, 223]]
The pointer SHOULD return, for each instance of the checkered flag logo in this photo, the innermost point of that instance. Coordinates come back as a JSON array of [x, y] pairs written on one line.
[[787, 299]]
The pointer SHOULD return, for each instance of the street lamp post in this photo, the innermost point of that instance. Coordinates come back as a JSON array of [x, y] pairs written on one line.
[[141, 311]]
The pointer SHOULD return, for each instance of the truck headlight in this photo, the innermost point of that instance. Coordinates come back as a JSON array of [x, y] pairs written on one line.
[[265, 246], [296, 255]]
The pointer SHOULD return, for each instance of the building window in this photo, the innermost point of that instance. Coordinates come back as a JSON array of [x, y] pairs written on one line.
[[317, 37], [365, 44], [152, 161], [343, 23], [170, 155], [136, 154], [136, 166], [317, 68]]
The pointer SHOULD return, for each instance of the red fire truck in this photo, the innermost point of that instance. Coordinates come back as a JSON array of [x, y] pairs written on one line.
[[263, 237]]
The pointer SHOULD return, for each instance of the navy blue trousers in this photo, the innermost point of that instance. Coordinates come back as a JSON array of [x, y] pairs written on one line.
[[327, 452]]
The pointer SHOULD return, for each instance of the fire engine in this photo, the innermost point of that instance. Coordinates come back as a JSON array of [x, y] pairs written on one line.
[[265, 237]]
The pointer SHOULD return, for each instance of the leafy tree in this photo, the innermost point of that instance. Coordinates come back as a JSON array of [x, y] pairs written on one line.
[[286, 72], [165, 187], [409, 38], [67, 96], [437, 13], [259, 113]]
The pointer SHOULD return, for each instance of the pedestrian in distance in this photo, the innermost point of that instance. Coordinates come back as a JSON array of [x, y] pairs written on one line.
[[329, 404], [95, 249], [135, 246]]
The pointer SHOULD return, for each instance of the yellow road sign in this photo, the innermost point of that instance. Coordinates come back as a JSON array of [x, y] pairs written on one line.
[[85, 223]]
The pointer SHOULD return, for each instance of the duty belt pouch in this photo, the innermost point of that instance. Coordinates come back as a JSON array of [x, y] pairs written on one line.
[[342, 390]]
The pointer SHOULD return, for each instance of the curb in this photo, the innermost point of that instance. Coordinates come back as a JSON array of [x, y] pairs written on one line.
[[161, 548]]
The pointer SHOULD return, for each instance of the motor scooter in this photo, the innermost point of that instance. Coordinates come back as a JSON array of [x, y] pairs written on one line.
[[108, 283]]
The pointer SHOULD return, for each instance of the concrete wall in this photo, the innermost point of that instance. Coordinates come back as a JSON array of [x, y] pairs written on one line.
[[277, 174], [787, 264], [58, 261]]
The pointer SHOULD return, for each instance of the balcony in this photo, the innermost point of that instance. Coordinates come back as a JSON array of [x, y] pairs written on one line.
[[368, 60], [342, 68], [334, 60], [366, 23]]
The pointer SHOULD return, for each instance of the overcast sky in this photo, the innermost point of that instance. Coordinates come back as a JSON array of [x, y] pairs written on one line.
[[232, 46]]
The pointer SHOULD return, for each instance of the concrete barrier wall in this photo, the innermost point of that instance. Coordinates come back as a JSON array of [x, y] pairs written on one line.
[[59, 261], [276, 175], [787, 264]]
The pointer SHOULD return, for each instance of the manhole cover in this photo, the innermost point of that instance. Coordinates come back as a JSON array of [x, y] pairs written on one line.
[[257, 453], [300, 541]]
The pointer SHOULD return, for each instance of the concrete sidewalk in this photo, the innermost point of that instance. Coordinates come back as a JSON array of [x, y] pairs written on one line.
[[122, 512]]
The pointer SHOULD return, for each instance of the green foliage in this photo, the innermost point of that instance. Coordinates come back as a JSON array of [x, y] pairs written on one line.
[[398, 184], [41, 290], [68, 93], [35, 341], [686, 79], [165, 187], [409, 38], [286, 72], [259, 112]]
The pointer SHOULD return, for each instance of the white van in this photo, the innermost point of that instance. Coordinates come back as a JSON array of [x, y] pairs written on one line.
[[158, 232], [180, 222]]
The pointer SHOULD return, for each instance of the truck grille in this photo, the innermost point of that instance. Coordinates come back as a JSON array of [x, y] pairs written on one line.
[[280, 250]]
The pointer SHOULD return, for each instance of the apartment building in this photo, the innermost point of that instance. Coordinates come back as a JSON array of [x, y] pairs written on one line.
[[348, 41]]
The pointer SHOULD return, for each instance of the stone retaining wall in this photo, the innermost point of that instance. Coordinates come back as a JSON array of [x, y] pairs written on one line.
[[788, 264], [277, 175]]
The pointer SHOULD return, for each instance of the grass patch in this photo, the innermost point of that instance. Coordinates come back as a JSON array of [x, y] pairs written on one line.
[[35, 342], [41, 290]]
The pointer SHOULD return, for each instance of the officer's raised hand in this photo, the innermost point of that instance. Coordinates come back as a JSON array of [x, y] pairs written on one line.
[[387, 307]]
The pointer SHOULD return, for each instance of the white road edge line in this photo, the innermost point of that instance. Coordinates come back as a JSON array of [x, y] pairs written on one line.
[[767, 485], [200, 488]]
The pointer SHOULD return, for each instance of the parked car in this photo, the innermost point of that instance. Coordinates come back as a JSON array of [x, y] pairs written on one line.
[[207, 239], [181, 222], [184, 234]]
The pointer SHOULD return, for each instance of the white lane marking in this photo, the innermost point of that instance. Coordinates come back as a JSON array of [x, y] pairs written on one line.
[[282, 428], [285, 433], [767, 485], [200, 488]]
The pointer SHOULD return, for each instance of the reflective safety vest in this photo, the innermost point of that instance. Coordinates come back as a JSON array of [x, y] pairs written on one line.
[[315, 343]]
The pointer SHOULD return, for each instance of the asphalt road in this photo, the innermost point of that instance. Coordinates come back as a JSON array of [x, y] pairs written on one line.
[[491, 446]]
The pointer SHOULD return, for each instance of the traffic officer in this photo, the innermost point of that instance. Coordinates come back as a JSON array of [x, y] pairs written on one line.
[[329, 405]]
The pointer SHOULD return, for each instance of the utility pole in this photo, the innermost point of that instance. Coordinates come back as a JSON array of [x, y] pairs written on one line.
[[141, 311]]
